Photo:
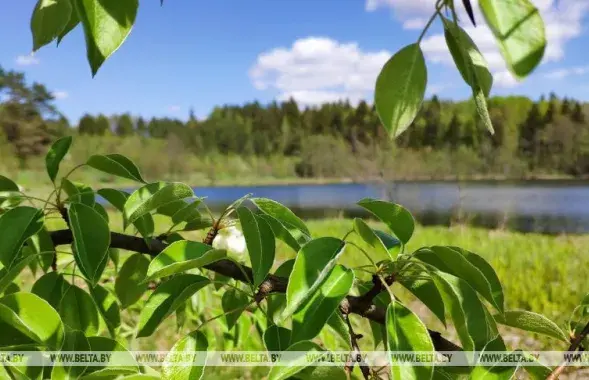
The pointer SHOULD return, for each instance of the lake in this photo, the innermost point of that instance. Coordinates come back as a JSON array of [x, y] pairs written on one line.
[[547, 206]]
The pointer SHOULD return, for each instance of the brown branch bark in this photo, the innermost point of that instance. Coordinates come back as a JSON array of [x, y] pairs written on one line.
[[575, 343], [361, 305]]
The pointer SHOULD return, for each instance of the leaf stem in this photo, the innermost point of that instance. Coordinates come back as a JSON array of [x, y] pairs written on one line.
[[439, 6]]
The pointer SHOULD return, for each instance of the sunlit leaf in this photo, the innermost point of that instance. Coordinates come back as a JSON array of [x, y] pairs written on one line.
[[17, 225], [51, 288], [281, 232], [108, 308], [49, 19], [71, 24], [120, 364], [425, 290], [78, 311], [129, 285], [499, 371], [145, 224], [152, 196], [260, 243], [74, 341], [395, 217], [533, 322], [115, 164], [378, 250], [195, 342], [234, 303], [277, 302], [297, 363], [78, 192], [281, 213], [276, 338]]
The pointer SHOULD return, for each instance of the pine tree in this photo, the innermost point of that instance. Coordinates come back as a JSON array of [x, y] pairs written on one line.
[[124, 126], [565, 108], [87, 125], [141, 127], [578, 116], [529, 130], [452, 136], [102, 125]]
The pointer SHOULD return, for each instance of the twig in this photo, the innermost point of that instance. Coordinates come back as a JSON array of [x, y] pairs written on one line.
[[575, 343], [355, 354]]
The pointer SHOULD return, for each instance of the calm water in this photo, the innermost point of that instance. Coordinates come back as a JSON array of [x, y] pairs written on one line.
[[539, 206]]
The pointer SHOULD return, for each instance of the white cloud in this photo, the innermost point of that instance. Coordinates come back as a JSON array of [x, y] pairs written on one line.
[[563, 20], [174, 108], [27, 60], [58, 95], [414, 23], [563, 73], [318, 69]]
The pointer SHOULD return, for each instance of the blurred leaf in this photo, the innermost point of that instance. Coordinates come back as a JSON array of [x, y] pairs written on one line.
[[298, 363], [7, 186], [234, 303], [108, 308], [259, 239], [538, 371], [118, 365], [49, 19], [17, 225], [280, 231], [314, 313], [533, 322], [406, 332], [181, 256], [397, 218], [78, 192], [166, 298], [60, 147], [11, 288], [152, 196], [195, 342], [115, 164], [312, 266], [276, 338], [400, 88], [91, 240], [519, 30], [106, 26], [27, 319], [281, 213], [129, 285], [78, 311]]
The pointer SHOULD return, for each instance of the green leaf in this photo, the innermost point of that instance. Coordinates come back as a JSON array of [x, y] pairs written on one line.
[[260, 243], [129, 285], [277, 302], [195, 342], [118, 365], [533, 322], [468, 314], [538, 371], [12, 288], [7, 186], [71, 24], [100, 209], [196, 225], [42, 243], [453, 262], [49, 19], [60, 147], [519, 30], [314, 313], [91, 240], [24, 369], [108, 307], [494, 372], [26, 319], [400, 88], [406, 332], [234, 303], [425, 290], [51, 288], [379, 251], [78, 311], [145, 224], [8, 275], [17, 225], [78, 192], [106, 26], [188, 213], [397, 218], [281, 213], [280, 231], [312, 266], [181, 256], [276, 338], [152, 196], [166, 298], [323, 373], [74, 341], [298, 363], [115, 164]]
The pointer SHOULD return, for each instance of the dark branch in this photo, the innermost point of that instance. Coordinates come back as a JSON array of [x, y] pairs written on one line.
[[356, 354], [361, 305], [575, 343]]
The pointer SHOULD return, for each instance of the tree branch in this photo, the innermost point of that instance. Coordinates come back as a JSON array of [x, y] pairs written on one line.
[[575, 343], [361, 305]]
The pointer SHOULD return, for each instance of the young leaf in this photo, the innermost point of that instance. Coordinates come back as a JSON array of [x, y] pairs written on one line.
[[312, 266], [7, 186], [91, 240], [129, 285], [281, 232], [122, 363], [17, 225], [51, 288], [281, 213], [145, 224], [314, 313], [406, 332], [78, 311], [197, 342], [106, 26], [379, 251], [74, 341], [234, 303], [152, 196], [78, 192], [260, 243], [115, 164], [49, 19], [71, 24], [450, 261], [181, 256], [276, 338], [26, 319], [425, 290], [519, 30], [533, 322], [397, 218], [166, 298], [298, 363], [59, 148], [107, 306], [400, 88]]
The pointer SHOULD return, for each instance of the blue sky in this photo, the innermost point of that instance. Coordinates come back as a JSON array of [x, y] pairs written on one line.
[[198, 54]]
